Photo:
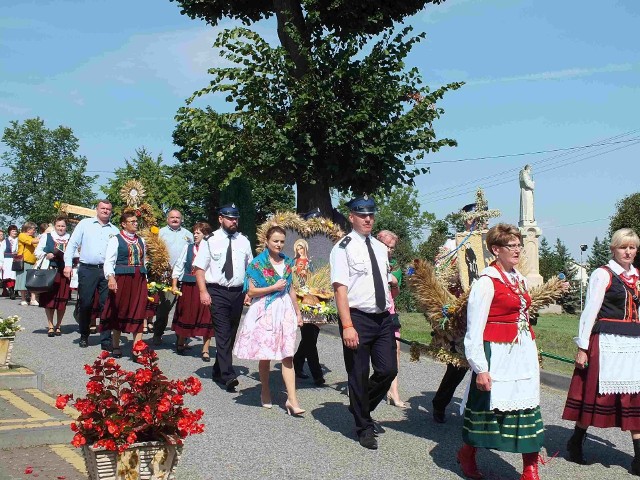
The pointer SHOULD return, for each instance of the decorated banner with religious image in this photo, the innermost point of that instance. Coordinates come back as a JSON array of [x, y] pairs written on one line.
[[309, 243], [473, 256]]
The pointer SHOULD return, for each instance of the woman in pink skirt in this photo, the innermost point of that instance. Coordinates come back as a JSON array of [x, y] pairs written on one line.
[[124, 267], [605, 388], [269, 328], [191, 318], [52, 245]]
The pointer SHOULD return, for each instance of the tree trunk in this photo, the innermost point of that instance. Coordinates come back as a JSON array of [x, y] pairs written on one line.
[[311, 196], [290, 11]]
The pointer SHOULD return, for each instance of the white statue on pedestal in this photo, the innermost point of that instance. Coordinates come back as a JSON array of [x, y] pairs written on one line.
[[526, 197]]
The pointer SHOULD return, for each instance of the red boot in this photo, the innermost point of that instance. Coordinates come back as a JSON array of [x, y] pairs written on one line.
[[530, 470], [467, 460]]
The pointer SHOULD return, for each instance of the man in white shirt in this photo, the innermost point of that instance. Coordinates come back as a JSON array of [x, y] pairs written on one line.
[[91, 236], [220, 269], [359, 266], [175, 238]]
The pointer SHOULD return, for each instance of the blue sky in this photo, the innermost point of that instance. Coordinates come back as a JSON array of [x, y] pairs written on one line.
[[541, 75]]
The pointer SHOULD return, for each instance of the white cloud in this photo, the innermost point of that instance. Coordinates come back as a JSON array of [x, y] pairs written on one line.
[[13, 109], [556, 75]]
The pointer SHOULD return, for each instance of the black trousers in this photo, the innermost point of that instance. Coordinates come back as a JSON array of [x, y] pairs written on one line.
[[91, 279], [378, 346], [452, 378], [308, 350], [226, 310], [162, 313]]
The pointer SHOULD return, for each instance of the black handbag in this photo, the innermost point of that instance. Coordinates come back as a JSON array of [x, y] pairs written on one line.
[[40, 280], [18, 263]]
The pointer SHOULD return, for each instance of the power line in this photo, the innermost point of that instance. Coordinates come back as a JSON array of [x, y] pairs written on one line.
[[540, 172], [598, 145], [521, 154], [576, 223]]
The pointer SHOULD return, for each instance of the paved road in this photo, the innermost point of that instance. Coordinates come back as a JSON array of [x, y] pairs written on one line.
[[244, 441]]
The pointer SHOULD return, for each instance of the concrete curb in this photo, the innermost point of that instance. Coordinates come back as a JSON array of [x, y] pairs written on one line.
[[548, 379]]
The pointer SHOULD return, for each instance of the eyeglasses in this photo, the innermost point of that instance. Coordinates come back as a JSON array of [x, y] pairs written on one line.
[[391, 249], [514, 247], [134, 222]]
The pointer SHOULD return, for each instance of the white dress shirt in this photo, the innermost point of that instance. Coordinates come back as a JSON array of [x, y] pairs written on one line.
[[175, 240], [92, 238], [351, 266], [598, 284], [213, 254]]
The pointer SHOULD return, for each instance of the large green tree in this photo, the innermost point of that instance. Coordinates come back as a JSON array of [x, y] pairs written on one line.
[[330, 108], [165, 186], [44, 168], [627, 216], [599, 255]]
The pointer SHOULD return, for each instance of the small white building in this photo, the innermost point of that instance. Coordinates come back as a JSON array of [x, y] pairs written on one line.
[[580, 273]]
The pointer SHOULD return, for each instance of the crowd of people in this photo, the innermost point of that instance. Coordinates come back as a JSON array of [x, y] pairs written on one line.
[[214, 275]]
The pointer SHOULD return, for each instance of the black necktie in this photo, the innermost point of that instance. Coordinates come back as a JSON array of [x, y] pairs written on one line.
[[378, 286], [227, 269]]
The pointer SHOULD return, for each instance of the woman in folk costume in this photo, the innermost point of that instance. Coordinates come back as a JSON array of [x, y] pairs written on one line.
[[605, 388], [191, 318], [269, 328], [124, 268], [502, 410], [10, 245], [52, 245]]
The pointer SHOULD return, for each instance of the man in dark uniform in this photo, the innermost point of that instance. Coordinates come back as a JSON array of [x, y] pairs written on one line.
[[220, 270], [359, 266]]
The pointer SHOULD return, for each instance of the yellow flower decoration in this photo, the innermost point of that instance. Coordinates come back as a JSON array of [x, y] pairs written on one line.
[[56, 204], [155, 230]]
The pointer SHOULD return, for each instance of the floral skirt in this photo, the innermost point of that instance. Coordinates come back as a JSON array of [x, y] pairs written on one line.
[[191, 318], [125, 310], [268, 333], [585, 405], [57, 297]]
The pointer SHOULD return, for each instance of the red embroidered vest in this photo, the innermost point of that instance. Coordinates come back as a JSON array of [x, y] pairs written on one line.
[[502, 324]]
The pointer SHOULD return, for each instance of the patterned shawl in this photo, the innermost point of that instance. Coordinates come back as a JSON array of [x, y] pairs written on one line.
[[262, 274]]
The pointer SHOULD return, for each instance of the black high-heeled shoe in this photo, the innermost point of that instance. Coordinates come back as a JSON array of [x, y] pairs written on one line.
[[57, 331], [51, 332]]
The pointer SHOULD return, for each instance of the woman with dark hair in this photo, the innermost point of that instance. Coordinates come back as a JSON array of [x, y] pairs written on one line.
[[52, 246], [10, 245], [27, 243], [191, 318], [605, 388], [502, 404], [125, 271], [268, 331]]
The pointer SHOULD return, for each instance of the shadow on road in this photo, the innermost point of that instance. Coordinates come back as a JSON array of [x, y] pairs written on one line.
[[596, 449], [336, 417]]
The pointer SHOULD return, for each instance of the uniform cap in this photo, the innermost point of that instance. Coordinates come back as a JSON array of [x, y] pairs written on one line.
[[312, 214], [364, 204], [229, 210]]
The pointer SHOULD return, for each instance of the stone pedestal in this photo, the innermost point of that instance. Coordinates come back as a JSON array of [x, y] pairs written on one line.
[[530, 234]]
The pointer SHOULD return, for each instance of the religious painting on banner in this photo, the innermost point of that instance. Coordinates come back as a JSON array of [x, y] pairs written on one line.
[[308, 243], [473, 256]]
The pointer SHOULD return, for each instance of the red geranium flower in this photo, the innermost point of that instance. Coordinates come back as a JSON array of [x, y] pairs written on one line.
[[123, 407]]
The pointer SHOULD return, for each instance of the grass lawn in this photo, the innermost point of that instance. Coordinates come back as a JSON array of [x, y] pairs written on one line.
[[554, 334]]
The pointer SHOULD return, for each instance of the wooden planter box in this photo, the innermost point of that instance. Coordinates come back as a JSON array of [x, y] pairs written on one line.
[[6, 345], [142, 461]]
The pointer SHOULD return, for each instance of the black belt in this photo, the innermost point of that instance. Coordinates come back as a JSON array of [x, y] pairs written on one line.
[[228, 289], [375, 316], [91, 265]]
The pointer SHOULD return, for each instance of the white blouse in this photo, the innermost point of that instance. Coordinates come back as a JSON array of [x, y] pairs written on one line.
[[598, 283]]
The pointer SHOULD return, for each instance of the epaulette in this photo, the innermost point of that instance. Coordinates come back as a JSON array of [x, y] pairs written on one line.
[[345, 241], [207, 237]]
